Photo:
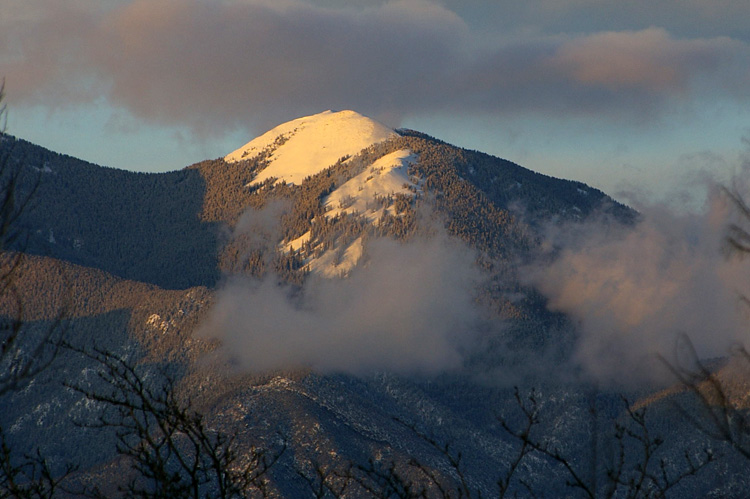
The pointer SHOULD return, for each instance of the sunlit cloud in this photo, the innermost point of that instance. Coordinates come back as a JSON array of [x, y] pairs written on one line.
[[216, 66], [407, 308], [633, 292]]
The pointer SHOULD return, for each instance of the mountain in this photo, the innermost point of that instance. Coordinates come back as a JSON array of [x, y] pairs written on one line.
[[310, 144], [165, 228], [145, 227], [319, 228]]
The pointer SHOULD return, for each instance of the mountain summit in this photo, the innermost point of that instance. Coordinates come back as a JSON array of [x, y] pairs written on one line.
[[305, 146], [344, 177], [158, 270]]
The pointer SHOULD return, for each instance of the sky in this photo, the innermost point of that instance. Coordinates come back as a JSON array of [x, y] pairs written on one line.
[[637, 98]]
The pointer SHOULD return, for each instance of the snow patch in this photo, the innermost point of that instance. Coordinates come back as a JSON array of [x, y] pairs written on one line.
[[43, 169], [361, 195], [155, 321], [337, 263], [305, 146], [385, 177], [297, 243]]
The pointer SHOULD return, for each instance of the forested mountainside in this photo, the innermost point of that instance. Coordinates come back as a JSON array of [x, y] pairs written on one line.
[[533, 197], [167, 228], [131, 265], [318, 425], [139, 226]]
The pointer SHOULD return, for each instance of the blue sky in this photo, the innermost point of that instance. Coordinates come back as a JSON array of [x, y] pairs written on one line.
[[638, 98]]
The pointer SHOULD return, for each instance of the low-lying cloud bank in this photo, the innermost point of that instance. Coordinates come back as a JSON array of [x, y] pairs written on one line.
[[409, 309], [633, 292]]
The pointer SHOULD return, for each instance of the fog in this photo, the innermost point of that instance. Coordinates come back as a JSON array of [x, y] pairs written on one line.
[[408, 308], [634, 292], [631, 292]]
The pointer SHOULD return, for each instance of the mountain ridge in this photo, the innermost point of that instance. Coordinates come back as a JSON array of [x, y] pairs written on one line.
[[77, 201], [150, 307], [310, 144]]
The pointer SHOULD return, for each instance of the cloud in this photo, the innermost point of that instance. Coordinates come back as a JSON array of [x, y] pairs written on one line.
[[260, 231], [222, 64], [686, 18], [633, 292], [648, 59], [409, 309], [216, 66]]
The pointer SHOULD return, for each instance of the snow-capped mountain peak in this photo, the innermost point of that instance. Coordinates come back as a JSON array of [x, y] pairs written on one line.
[[359, 197], [305, 146]]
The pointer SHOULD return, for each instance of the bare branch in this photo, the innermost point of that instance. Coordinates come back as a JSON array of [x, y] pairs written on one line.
[[172, 450]]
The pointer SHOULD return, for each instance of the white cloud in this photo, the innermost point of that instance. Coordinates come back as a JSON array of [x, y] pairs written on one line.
[[634, 292], [408, 309]]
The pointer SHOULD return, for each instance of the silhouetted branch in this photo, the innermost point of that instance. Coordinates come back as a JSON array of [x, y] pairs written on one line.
[[531, 416], [29, 476], [633, 470], [326, 483], [719, 418], [738, 237], [172, 450], [24, 350]]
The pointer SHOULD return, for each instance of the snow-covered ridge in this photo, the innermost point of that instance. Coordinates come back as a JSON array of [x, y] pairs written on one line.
[[305, 146], [385, 177], [359, 196]]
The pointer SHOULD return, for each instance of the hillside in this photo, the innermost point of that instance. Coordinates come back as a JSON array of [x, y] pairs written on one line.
[[166, 228], [390, 255], [138, 226]]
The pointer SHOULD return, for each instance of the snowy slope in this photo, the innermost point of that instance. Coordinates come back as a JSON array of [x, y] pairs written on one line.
[[337, 262], [305, 146], [386, 177], [359, 196]]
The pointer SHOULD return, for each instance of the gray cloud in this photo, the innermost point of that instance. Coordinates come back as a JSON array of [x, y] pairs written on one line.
[[634, 292], [685, 18], [408, 309], [217, 66]]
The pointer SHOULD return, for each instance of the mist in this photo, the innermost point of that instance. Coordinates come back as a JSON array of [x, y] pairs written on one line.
[[408, 308], [634, 292]]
